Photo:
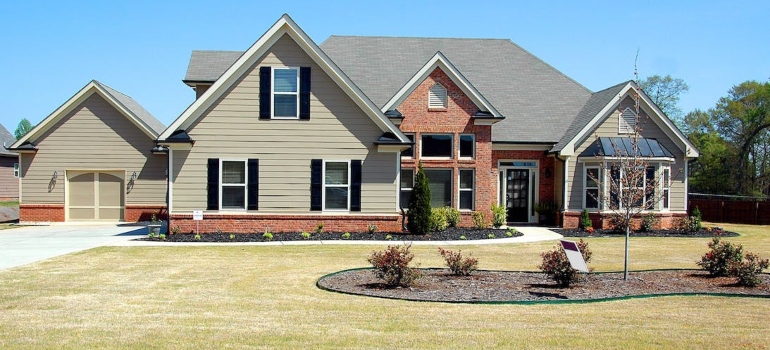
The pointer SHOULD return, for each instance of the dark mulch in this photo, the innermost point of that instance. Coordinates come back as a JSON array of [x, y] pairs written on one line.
[[508, 286], [450, 234], [715, 231]]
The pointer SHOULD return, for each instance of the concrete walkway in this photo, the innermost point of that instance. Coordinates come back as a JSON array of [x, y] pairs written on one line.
[[24, 245]]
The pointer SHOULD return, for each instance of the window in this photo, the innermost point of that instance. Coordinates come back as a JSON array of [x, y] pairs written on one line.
[[642, 192], [467, 146], [592, 180], [438, 146], [649, 187], [407, 183], [336, 185], [16, 170], [285, 92], [408, 153], [666, 179], [437, 97], [466, 189], [233, 185], [627, 121], [440, 183]]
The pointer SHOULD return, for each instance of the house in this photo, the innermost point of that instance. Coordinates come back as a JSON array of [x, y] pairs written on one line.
[[9, 168], [490, 123], [93, 159]]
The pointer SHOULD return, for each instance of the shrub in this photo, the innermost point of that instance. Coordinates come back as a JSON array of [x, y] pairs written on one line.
[[511, 232], [162, 236], [345, 235], [556, 264], [438, 221], [618, 223], [717, 261], [319, 228], [479, 219], [459, 265], [372, 228], [419, 205], [197, 237], [232, 236], [176, 230], [452, 216], [462, 238], [267, 236], [388, 237], [499, 215], [747, 270], [585, 220], [305, 235], [392, 265], [695, 220], [648, 222], [590, 230], [491, 236]]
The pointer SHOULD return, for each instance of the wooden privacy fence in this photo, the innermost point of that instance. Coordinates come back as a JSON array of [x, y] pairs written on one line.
[[740, 210]]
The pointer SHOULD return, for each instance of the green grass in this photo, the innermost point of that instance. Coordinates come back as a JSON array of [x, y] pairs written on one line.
[[265, 297], [9, 204]]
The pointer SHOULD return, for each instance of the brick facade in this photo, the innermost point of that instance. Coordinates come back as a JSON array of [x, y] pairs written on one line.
[[277, 223], [546, 180], [41, 212], [136, 213], [571, 219]]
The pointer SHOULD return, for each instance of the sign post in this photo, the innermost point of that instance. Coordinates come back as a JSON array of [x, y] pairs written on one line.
[[574, 255], [197, 217]]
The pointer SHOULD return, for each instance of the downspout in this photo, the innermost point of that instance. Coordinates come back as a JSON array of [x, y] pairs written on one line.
[[563, 186]]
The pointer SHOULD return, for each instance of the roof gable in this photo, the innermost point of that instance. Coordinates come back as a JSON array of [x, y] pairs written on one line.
[[7, 139], [284, 26], [129, 108]]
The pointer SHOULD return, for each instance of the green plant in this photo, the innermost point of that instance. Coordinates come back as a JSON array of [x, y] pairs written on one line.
[[695, 219], [459, 265], [162, 236], [388, 237], [232, 236], [648, 222], [721, 255], [479, 219], [438, 221], [419, 205], [747, 270], [372, 228], [499, 215], [452, 216], [150, 235], [491, 236], [510, 232], [319, 228], [197, 237], [176, 230], [392, 265], [462, 238], [345, 235], [585, 220], [305, 235], [267, 236], [556, 265]]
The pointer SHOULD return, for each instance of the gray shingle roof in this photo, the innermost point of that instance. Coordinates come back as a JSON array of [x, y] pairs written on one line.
[[7, 139], [208, 66], [135, 108]]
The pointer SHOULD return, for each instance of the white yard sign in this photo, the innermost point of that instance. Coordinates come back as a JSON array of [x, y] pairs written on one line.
[[197, 215], [574, 256]]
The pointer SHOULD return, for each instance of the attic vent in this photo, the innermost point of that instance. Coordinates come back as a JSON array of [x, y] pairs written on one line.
[[437, 96], [627, 121]]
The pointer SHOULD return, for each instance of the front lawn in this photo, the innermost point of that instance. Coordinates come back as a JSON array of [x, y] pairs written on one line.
[[265, 297]]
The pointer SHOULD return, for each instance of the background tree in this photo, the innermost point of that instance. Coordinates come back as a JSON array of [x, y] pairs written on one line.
[[23, 128], [711, 172], [419, 204], [665, 92]]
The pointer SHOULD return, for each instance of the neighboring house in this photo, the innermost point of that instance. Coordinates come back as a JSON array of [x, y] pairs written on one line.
[[9, 168], [92, 160], [491, 123]]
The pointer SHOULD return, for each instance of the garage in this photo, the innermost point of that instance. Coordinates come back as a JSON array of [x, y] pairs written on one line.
[[95, 195]]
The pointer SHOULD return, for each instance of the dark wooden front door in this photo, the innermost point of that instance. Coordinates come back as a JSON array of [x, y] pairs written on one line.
[[517, 195]]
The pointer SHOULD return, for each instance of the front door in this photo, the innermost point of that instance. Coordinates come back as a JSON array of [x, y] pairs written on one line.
[[517, 195]]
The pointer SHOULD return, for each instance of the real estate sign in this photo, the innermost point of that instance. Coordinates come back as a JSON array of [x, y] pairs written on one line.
[[574, 256]]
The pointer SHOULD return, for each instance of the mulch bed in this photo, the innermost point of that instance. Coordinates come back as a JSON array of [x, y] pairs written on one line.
[[450, 234], [715, 231], [439, 285]]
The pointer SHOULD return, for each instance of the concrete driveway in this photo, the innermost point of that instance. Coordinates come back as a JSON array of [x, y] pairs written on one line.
[[28, 244]]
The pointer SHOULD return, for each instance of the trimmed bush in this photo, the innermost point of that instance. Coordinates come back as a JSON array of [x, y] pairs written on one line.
[[499, 215], [438, 221], [718, 259], [585, 220], [392, 265], [459, 265], [747, 270], [479, 219], [419, 205], [452, 216], [557, 267], [695, 219], [648, 222]]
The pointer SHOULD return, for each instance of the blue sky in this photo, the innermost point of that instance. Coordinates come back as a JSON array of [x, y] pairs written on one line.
[[51, 49]]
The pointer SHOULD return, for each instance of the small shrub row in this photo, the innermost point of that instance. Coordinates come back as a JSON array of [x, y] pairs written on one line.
[[459, 265], [727, 259], [392, 265]]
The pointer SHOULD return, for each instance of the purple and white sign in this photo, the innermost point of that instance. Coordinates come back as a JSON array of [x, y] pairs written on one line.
[[574, 256]]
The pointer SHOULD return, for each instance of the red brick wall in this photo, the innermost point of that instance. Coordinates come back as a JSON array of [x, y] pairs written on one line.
[[546, 184], [41, 212], [456, 119], [136, 213], [252, 223], [604, 221]]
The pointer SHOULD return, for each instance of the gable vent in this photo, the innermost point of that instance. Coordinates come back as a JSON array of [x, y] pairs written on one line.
[[627, 121], [437, 97]]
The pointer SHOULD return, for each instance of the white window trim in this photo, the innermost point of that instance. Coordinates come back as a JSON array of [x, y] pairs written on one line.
[[16, 170], [414, 137], [473, 149], [245, 181], [607, 189], [665, 201], [623, 126], [472, 190], [324, 186], [451, 149], [444, 100], [273, 93], [401, 189], [597, 188]]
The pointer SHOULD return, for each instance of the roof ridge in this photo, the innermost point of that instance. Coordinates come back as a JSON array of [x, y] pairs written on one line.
[[413, 37], [549, 66]]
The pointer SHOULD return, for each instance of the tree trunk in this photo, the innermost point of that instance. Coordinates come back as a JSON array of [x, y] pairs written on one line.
[[625, 265]]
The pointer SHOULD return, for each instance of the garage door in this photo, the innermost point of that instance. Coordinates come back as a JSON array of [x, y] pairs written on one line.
[[95, 196]]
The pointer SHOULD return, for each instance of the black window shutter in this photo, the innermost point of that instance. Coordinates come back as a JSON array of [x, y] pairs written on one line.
[[316, 184], [252, 185], [265, 80], [213, 185], [355, 185], [304, 93]]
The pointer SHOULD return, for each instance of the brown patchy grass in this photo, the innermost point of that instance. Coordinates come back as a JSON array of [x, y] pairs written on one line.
[[265, 297]]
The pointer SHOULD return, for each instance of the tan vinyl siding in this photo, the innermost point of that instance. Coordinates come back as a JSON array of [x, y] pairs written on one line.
[[93, 136], [9, 185], [337, 130], [609, 128]]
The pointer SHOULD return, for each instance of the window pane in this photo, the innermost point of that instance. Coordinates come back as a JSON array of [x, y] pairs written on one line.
[[285, 80], [436, 146], [440, 183], [466, 146], [233, 172], [665, 199], [336, 173], [233, 197], [409, 152], [407, 178], [466, 200], [466, 179], [337, 198], [285, 105], [592, 199], [592, 176], [404, 198]]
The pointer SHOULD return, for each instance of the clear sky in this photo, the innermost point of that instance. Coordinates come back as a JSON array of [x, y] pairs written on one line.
[[51, 49]]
